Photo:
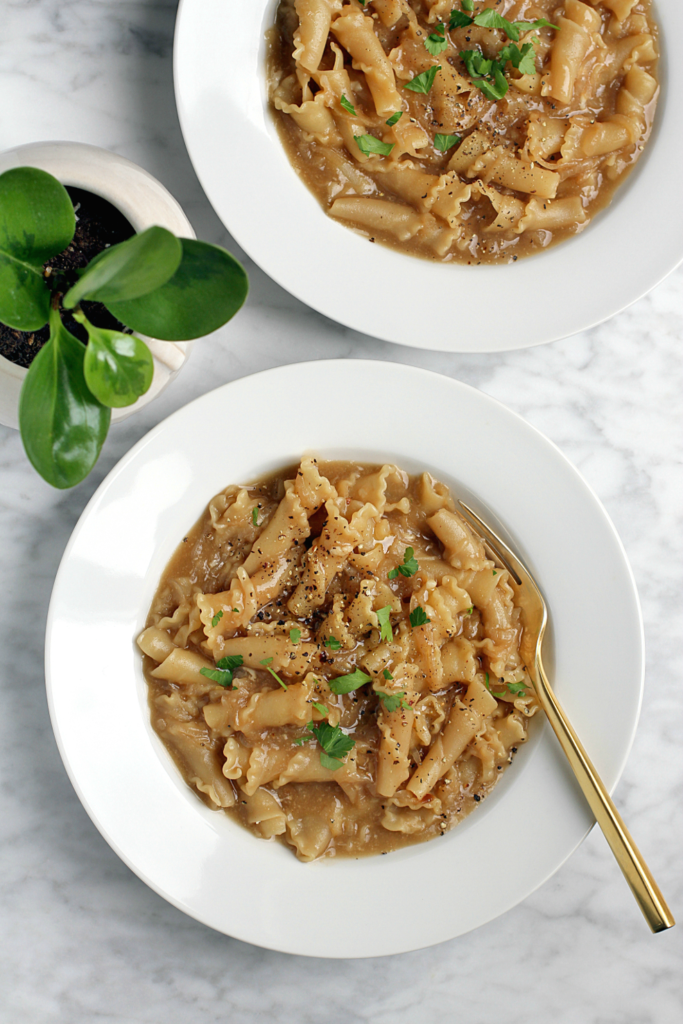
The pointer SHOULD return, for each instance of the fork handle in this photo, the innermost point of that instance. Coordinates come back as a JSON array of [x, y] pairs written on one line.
[[629, 858]]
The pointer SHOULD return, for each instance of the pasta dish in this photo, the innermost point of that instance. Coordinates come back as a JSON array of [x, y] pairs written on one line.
[[333, 660], [475, 131]]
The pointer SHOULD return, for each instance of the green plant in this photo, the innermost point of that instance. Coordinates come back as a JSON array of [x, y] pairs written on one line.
[[174, 289]]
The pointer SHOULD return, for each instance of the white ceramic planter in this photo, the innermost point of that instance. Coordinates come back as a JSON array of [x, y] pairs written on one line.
[[143, 201]]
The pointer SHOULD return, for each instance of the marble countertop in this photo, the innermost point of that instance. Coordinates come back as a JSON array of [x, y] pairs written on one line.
[[82, 938]]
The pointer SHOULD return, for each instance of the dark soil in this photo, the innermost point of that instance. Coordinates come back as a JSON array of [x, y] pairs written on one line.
[[98, 225]]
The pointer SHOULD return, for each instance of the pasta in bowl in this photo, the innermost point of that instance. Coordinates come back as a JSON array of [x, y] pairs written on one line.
[[199, 858], [476, 132], [333, 659]]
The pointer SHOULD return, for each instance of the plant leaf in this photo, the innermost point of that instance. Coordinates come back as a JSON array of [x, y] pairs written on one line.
[[62, 424], [118, 367], [37, 222], [128, 270], [205, 292]]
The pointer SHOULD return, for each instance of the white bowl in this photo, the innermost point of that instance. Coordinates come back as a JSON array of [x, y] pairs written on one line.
[[202, 861], [234, 145], [143, 201]]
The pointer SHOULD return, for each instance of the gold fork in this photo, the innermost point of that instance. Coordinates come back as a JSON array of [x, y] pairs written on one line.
[[535, 619]]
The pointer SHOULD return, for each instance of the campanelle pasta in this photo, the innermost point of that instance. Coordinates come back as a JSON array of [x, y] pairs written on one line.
[[476, 135], [333, 660]]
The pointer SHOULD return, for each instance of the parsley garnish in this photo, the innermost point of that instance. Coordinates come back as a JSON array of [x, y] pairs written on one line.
[[523, 60], [495, 573], [470, 609], [347, 105], [445, 142], [487, 75], [369, 144], [418, 617], [436, 42], [409, 567], [266, 662], [393, 701], [295, 635], [424, 81], [387, 674], [394, 118], [489, 18], [514, 688], [332, 643], [467, 5], [459, 20], [216, 619], [384, 616], [222, 673], [349, 682], [254, 515], [320, 707], [334, 742]]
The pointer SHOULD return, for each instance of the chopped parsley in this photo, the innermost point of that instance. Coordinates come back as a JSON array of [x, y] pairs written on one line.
[[514, 688], [384, 617], [436, 42], [495, 573], [332, 643], [349, 682], [295, 635], [266, 663], [254, 515], [368, 144], [410, 566], [321, 708], [459, 19], [222, 673], [334, 742], [489, 18], [387, 674], [470, 609], [216, 619], [489, 75], [445, 142], [523, 60], [395, 118], [418, 617], [393, 701], [424, 81], [347, 105]]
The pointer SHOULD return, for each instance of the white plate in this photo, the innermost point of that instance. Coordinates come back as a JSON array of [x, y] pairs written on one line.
[[233, 143], [199, 859]]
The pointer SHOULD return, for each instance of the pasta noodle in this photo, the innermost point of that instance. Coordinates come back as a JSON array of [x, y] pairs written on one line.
[[421, 126], [333, 660]]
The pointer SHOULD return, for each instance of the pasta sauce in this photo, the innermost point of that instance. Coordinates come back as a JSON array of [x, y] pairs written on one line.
[[478, 135], [333, 660]]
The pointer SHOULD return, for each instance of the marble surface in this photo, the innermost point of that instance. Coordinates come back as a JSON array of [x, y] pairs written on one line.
[[81, 938]]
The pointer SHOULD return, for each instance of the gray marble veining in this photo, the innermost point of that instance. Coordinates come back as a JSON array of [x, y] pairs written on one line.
[[82, 939]]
